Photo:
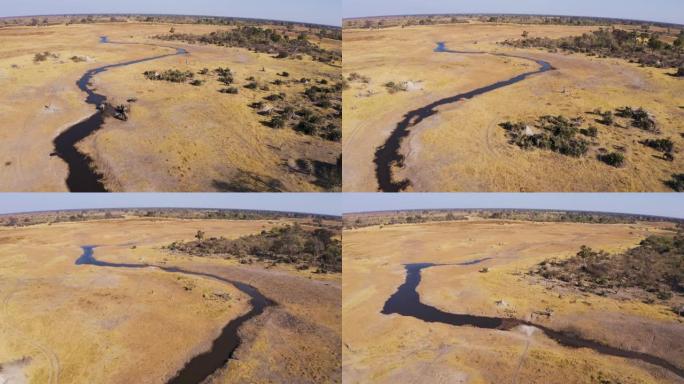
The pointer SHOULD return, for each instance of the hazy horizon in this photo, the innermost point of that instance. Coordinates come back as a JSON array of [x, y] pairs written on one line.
[[311, 203], [667, 205], [324, 12], [664, 11]]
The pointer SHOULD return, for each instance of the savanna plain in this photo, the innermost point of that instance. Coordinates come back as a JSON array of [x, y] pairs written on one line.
[[512, 103], [169, 103], [512, 297], [174, 296]]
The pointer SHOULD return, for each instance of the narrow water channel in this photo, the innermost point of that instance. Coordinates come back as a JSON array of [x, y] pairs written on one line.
[[82, 176], [387, 156], [406, 302], [222, 348]]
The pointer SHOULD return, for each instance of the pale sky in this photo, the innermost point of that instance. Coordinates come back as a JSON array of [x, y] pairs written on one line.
[[671, 11], [328, 12]]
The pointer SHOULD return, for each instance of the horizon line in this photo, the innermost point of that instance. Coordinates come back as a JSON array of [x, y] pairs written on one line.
[[518, 209], [171, 14], [184, 208], [512, 14]]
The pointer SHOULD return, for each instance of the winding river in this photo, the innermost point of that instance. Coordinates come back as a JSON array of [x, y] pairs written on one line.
[[82, 177], [387, 156], [203, 365], [406, 302]]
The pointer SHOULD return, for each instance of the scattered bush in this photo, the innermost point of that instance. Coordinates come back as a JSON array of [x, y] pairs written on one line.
[[662, 145], [393, 87], [357, 77], [558, 134], [231, 90], [640, 118], [590, 132], [251, 85], [615, 159], [171, 75], [676, 182], [197, 82]]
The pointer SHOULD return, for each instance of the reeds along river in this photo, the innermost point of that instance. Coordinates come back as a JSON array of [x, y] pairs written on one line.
[[406, 302], [387, 156], [222, 348], [82, 176]]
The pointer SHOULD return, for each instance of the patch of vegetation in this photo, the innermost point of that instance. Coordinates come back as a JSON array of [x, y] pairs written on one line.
[[644, 47], [615, 159], [171, 75], [356, 77], [641, 118], [197, 82], [590, 132], [291, 244], [78, 59], [393, 87], [662, 145], [258, 39], [656, 266], [225, 75], [43, 56], [676, 182], [558, 134], [230, 90]]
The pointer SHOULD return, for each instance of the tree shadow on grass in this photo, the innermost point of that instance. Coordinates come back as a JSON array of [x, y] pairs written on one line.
[[245, 181]]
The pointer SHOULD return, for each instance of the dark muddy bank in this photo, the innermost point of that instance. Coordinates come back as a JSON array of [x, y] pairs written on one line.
[[406, 302], [203, 365], [82, 177], [387, 156]]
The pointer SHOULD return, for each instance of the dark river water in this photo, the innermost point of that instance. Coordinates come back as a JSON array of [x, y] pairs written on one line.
[[82, 177], [203, 365], [387, 155], [406, 302]]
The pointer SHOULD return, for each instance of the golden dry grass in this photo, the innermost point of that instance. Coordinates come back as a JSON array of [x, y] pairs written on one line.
[[386, 348], [96, 324], [462, 148], [178, 137]]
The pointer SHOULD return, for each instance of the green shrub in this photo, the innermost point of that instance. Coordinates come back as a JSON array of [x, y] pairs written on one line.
[[676, 182], [663, 145], [615, 159]]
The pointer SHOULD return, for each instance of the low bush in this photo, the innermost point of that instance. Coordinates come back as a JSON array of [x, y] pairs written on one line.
[[615, 159]]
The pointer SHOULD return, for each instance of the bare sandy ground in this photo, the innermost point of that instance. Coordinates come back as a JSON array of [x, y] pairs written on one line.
[[462, 148], [178, 137], [82, 323], [389, 348]]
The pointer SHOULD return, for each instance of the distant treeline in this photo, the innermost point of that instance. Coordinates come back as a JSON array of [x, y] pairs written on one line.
[[319, 248], [265, 40], [32, 218], [408, 20], [322, 31], [643, 47], [359, 220]]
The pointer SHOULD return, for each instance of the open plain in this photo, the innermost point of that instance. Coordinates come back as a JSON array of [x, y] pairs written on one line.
[[462, 147], [481, 277], [134, 311], [176, 135]]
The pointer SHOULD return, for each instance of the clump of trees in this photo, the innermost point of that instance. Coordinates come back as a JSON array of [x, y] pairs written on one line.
[[171, 75], [644, 47], [258, 39], [558, 134], [656, 267], [318, 248]]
